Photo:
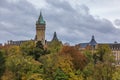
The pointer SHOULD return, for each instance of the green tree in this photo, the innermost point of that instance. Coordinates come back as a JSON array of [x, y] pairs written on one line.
[[39, 50], [104, 67], [20, 65], [39, 45], [59, 66], [27, 48], [32, 49], [116, 74], [60, 75], [88, 71], [54, 46], [53, 63], [89, 57], [2, 63]]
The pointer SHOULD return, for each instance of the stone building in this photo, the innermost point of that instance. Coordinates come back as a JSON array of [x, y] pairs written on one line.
[[92, 45], [17, 43], [40, 34], [40, 29]]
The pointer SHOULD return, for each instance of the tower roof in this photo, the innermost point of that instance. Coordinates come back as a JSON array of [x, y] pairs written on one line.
[[93, 42], [40, 19], [55, 37]]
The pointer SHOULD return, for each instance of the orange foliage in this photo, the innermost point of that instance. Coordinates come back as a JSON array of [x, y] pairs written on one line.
[[79, 60]]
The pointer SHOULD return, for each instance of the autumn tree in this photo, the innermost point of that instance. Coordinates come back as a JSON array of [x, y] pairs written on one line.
[[32, 49], [116, 74], [79, 59], [40, 50], [88, 56], [20, 66], [28, 47], [104, 67], [54, 46], [2, 63], [59, 67], [60, 75]]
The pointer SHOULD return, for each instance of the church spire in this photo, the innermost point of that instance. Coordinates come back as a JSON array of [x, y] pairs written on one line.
[[93, 42], [55, 37], [93, 37], [40, 29], [40, 19]]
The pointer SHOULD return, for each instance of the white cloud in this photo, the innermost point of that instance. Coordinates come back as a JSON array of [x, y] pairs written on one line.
[[117, 22], [39, 3]]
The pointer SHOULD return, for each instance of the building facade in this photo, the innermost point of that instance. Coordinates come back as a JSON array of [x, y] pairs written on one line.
[[40, 29], [93, 45], [40, 34]]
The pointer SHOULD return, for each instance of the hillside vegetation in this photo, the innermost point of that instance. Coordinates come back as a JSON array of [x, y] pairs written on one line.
[[32, 61]]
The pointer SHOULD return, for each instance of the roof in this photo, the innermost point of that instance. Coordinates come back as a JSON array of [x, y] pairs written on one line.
[[93, 42], [55, 37], [40, 19], [83, 45]]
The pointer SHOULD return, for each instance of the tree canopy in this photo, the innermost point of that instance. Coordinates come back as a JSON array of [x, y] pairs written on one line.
[[34, 61]]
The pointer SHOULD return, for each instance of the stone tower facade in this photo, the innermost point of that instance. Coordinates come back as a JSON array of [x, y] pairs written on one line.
[[40, 29]]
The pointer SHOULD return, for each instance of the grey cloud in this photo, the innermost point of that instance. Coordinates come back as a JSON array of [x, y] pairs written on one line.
[[60, 4], [80, 20], [117, 22], [17, 20], [72, 25]]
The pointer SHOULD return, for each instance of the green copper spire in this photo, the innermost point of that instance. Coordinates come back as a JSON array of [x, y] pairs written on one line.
[[40, 19]]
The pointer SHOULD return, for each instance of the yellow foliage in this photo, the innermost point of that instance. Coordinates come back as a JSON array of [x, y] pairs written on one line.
[[8, 75], [64, 62], [34, 76]]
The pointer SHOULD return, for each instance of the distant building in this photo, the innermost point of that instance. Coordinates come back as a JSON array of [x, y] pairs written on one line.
[[115, 47], [0, 44], [40, 29], [54, 39], [17, 43], [92, 44], [40, 34]]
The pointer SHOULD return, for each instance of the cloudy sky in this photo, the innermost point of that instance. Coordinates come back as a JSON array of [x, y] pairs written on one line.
[[75, 21]]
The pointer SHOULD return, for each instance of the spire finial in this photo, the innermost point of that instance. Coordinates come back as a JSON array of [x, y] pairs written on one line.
[[92, 36], [40, 13], [40, 16]]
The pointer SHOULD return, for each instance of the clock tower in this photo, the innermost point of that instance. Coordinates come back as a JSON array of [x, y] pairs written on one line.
[[40, 29]]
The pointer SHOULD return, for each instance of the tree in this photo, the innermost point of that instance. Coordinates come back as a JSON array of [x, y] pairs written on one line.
[[21, 66], [79, 60], [40, 50], [60, 75], [54, 46], [27, 48], [2, 63], [104, 51], [39, 45], [88, 71], [32, 49], [104, 67], [58, 67], [116, 74]]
